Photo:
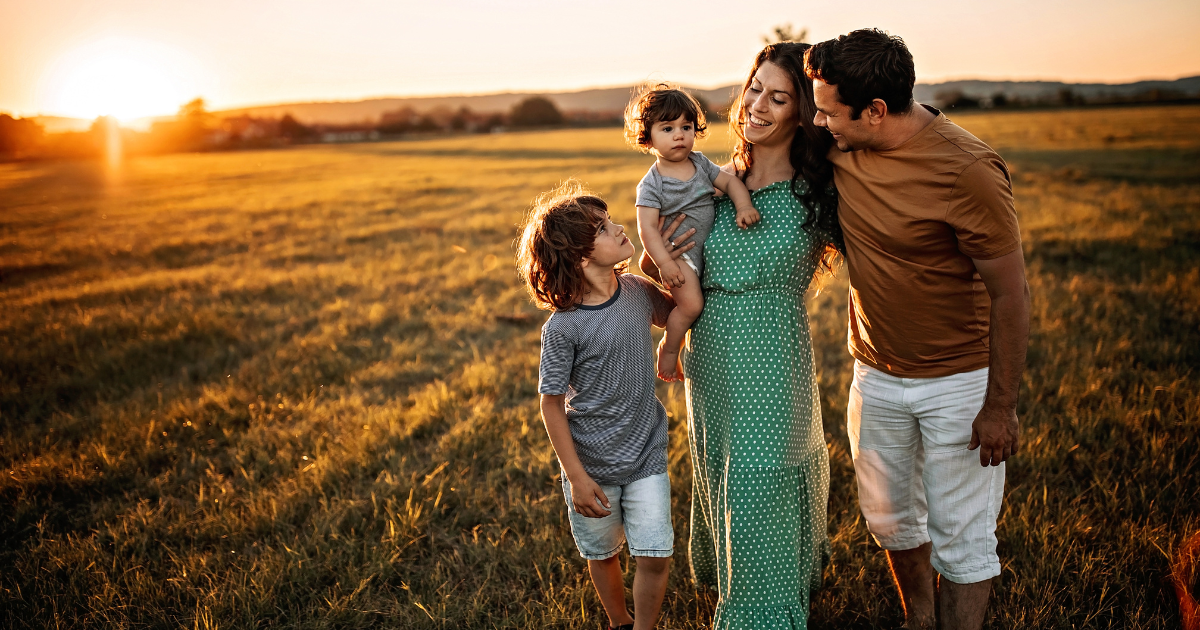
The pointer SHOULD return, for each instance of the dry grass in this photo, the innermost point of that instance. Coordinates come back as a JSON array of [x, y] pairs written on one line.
[[296, 388]]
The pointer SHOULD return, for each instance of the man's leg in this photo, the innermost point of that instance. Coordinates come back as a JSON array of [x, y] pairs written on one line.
[[914, 579], [964, 498], [885, 444], [963, 605]]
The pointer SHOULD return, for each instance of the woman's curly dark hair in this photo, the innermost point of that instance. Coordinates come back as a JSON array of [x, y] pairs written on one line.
[[812, 183], [558, 233]]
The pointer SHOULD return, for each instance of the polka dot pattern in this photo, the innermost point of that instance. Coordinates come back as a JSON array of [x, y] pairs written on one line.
[[760, 465]]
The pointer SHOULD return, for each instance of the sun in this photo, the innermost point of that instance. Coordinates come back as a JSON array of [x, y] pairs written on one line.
[[120, 77]]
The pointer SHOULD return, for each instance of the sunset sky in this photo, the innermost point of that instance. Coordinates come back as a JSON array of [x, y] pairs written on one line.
[[135, 58]]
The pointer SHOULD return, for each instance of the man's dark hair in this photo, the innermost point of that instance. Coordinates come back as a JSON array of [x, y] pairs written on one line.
[[865, 65]]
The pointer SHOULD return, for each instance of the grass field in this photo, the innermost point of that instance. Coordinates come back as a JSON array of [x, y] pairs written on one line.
[[296, 388]]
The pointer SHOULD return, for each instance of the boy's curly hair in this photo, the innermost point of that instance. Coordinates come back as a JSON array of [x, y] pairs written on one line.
[[558, 233], [656, 102]]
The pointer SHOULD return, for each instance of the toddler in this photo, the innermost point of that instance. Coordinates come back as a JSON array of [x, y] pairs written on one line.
[[596, 381], [666, 121]]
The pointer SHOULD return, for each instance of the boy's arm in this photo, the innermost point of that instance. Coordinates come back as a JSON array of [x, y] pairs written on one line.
[[747, 215], [584, 491], [668, 269]]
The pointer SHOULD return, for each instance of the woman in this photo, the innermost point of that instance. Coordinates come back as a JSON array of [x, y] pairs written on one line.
[[761, 469]]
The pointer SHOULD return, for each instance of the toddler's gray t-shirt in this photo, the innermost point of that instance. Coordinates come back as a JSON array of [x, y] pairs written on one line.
[[693, 198], [602, 357]]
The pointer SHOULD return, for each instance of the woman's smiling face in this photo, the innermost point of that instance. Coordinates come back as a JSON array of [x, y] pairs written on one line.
[[771, 113]]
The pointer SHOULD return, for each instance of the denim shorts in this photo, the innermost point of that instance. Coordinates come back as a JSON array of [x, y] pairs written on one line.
[[641, 515]]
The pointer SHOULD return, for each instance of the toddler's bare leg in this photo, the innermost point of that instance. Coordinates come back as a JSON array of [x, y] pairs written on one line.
[[689, 301]]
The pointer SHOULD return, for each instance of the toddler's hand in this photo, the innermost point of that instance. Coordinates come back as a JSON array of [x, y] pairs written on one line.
[[747, 218], [584, 495], [672, 277]]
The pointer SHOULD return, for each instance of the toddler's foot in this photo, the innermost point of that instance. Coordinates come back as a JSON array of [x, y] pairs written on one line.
[[669, 366]]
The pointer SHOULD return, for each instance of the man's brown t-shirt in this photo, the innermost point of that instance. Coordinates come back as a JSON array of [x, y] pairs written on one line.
[[914, 217]]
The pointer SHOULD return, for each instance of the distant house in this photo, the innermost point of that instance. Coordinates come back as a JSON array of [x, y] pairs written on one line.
[[356, 135]]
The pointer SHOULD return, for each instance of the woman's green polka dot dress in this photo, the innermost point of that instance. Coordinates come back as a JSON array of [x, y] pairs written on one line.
[[761, 468]]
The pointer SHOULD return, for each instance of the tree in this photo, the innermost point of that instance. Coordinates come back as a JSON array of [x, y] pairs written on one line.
[[19, 136], [291, 128], [535, 111], [785, 33]]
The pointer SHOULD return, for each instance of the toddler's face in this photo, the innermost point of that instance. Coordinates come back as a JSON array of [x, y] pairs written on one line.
[[673, 140]]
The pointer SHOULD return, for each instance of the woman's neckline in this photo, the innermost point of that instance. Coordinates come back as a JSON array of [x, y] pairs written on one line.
[[766, 186]]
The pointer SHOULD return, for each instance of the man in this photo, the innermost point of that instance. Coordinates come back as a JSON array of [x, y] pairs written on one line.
[[939, 323]]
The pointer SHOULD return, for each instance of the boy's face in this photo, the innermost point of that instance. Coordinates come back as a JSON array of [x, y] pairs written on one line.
[[611, 245], [673, 140]]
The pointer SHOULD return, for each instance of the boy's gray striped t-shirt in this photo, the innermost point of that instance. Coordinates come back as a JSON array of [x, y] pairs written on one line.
[[602, 357]]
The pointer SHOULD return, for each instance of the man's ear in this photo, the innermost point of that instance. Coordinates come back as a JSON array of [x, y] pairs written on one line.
[[876, 111]]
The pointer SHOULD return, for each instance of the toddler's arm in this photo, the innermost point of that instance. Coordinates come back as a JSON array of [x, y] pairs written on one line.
[[747, 215], [668, 269], [584, 491]]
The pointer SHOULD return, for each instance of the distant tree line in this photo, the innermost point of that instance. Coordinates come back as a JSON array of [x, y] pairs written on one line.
[[1065, 97]]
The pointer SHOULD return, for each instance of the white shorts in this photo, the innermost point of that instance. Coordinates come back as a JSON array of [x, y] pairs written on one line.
[[917, 482]]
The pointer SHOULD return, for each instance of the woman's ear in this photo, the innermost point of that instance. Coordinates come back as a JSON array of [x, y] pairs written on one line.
[[584, 263]]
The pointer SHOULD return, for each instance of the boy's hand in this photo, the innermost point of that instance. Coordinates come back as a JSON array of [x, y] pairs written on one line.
[[747, 218], [672, 277], [584, 495]]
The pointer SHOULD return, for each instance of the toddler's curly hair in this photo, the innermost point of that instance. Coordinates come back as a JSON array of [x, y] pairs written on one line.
[[656, 102], [558, 233]]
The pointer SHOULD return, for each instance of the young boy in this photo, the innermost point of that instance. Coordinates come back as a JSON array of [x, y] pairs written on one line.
[[597, 392]]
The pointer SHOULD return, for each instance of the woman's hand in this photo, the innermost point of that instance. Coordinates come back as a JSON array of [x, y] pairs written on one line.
[[676, 248]]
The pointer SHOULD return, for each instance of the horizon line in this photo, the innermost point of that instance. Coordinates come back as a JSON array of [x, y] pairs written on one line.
[[552, 92]]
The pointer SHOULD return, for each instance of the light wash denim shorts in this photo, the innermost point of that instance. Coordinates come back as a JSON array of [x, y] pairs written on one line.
[[641, 515]]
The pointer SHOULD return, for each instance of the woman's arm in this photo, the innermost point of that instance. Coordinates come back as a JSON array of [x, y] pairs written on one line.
[[682, 245]]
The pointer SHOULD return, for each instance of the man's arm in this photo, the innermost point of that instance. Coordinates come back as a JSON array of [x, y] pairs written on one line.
[[995, 429]]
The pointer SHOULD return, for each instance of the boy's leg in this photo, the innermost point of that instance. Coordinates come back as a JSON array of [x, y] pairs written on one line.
[[610, 586], [646, 504], [599, 541], [689, 301], [649, 587]]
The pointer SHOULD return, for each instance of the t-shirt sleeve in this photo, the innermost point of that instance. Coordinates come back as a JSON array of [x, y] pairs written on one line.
[[660, 303], [649, 193], [981, 210], [710, 169], [558, 356]]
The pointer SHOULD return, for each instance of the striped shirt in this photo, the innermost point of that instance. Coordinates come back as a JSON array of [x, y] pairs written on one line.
[[602, 357]]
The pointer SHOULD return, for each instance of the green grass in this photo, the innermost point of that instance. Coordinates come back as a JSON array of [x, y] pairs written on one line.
[[296, 388]]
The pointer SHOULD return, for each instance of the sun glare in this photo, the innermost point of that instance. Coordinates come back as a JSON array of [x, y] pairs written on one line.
[[124, 78]]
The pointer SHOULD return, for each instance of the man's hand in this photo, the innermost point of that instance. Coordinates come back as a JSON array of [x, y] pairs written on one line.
[[676, 249], [996, 434], [584, 496]]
